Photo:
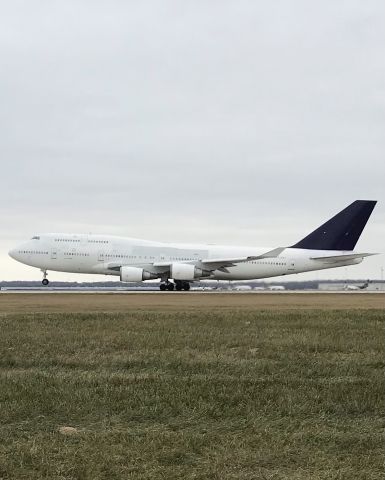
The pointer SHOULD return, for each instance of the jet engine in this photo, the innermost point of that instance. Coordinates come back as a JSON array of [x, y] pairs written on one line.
[[135, 274], [184, 271]]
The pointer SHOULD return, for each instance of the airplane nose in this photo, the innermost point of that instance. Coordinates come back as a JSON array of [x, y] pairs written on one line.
[[12, 253]]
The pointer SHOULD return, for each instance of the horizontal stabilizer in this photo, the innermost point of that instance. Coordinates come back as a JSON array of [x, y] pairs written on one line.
[[342, 258]]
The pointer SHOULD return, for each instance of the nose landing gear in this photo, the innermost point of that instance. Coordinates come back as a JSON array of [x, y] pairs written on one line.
[[45, 280]]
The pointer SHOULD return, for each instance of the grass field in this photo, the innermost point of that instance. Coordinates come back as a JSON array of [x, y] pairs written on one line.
[[221, 393]]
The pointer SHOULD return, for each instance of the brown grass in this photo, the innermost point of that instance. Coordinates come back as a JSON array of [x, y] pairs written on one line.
[[120, 302]]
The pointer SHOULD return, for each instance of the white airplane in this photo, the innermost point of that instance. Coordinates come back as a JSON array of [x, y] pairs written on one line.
[[357, 287], [243, 288], [179, 264], [277, 288]]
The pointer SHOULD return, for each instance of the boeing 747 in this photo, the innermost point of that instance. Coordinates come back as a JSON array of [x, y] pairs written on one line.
[[178, 264]]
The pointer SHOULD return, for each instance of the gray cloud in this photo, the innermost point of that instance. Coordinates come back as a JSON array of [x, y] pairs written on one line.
[[234, 122]]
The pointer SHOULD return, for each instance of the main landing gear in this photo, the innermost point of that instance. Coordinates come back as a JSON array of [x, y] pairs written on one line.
[[45, 280], [167, 286], [178, 285]]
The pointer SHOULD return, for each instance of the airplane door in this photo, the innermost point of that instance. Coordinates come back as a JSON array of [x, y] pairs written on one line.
[[54, 254], [101, 257]]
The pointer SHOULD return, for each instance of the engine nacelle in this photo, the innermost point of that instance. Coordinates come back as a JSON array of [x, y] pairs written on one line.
[[135, 274], [184, 271]]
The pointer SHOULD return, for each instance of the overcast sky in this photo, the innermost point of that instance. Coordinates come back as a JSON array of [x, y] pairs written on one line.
[[234, 122]]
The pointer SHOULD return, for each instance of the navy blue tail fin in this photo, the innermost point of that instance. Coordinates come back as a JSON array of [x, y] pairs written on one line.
[[342, 231]]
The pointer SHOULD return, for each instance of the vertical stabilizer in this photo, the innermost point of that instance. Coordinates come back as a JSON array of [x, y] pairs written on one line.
[[342, 231]]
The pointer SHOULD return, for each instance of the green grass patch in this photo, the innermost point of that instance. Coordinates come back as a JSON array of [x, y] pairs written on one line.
[[192, 395]]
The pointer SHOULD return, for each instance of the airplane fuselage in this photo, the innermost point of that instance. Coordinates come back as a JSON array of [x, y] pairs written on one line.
[[105, 254]]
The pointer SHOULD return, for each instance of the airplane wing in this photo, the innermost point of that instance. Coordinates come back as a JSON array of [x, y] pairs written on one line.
[[214, 263], [341, 258], [211, 263], [218, 263]]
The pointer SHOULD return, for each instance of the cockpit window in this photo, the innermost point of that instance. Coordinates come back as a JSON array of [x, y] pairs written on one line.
[[35, 238]]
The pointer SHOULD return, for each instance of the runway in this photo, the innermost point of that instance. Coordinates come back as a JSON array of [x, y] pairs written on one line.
[[119, 302]]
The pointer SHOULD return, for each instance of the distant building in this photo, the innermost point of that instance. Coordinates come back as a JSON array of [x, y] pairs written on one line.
[[352, 286]]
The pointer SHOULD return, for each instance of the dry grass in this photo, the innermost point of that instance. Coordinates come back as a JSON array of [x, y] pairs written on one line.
[[122, 302], [215, 394]]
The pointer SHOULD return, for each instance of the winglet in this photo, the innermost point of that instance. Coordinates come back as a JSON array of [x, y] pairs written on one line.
[[271, 254]]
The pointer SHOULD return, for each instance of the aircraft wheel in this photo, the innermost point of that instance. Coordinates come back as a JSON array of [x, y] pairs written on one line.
[[186, 286], [162, 287], [179, 286], [170, 286], [45, 281]]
